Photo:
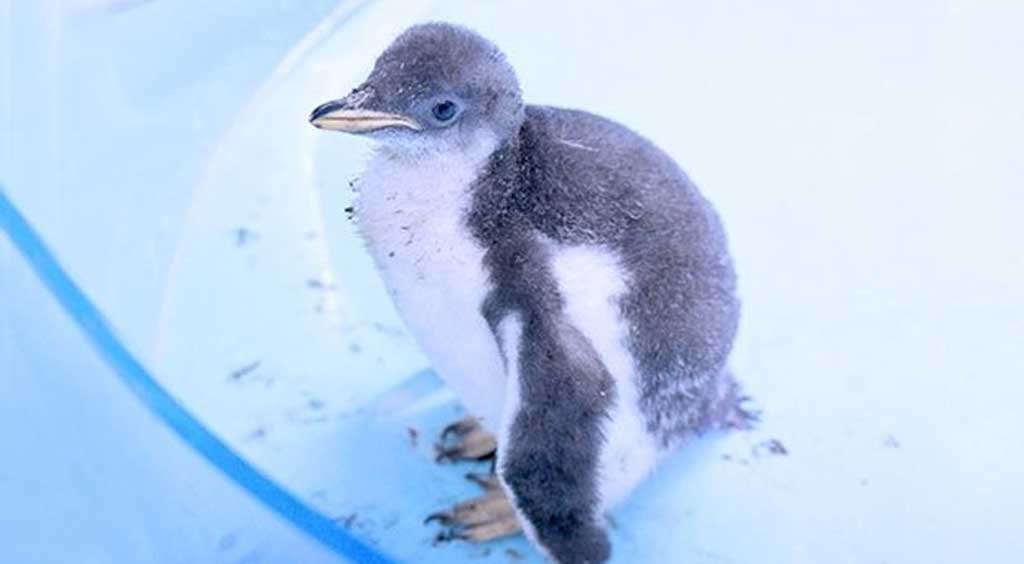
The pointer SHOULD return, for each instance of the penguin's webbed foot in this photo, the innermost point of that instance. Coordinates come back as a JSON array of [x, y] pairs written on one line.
[[465, 439], [480, 519]]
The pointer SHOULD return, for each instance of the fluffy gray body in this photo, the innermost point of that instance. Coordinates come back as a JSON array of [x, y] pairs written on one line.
[[578, 179], [564, 275]]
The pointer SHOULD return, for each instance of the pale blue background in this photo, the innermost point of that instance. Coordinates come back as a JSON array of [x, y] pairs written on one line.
[[865, 156]]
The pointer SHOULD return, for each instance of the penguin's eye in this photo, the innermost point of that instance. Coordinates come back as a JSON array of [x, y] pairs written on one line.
[[445, 111]]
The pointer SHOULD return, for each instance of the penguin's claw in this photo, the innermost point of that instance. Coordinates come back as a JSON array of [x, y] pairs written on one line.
[[470, 442], [460, 427], [501, 528], [489, 482], [480, 519]]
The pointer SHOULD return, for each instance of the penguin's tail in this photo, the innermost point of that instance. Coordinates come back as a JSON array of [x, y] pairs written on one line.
[[732, 411]]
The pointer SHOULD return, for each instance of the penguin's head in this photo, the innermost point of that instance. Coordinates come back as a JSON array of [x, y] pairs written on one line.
[[437, 87]]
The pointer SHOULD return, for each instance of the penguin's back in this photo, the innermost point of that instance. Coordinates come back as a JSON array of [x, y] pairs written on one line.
[[585, 182]]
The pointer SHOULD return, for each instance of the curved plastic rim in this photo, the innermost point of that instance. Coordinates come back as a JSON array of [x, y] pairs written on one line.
[[141, 383]]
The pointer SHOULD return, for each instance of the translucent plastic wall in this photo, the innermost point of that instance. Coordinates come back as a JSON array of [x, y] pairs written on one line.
[[198, 363]]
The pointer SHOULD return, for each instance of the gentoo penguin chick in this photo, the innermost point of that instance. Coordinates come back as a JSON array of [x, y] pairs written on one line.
[[563, 275]]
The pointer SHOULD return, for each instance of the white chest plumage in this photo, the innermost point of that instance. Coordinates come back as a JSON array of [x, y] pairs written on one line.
[[411, 213], [592, 282]]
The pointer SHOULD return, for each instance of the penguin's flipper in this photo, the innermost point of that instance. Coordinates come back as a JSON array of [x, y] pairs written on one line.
[[465, 439], [482, 518], [559, 399]]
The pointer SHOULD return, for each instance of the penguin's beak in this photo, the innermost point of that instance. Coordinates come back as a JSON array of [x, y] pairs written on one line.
[[337, 115]]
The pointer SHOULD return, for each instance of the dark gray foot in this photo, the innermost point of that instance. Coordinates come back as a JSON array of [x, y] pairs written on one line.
[[465, 440], [480, 519]]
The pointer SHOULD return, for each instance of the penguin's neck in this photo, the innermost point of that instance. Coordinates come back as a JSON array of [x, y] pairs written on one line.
[[409, 204]]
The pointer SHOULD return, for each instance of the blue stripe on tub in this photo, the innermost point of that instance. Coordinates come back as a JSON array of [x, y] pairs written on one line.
[[163, 405]]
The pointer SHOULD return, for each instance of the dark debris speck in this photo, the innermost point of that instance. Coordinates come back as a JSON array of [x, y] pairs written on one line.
[[317, 284], [257, 434], [347, 521], [242, 236], [243, 371], [773, 447], [227, 542]]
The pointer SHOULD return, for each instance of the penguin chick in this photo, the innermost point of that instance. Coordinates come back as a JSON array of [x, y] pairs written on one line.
[[563, 275]]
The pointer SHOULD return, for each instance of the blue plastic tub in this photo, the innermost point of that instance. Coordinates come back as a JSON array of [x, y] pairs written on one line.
[[199, 364]]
